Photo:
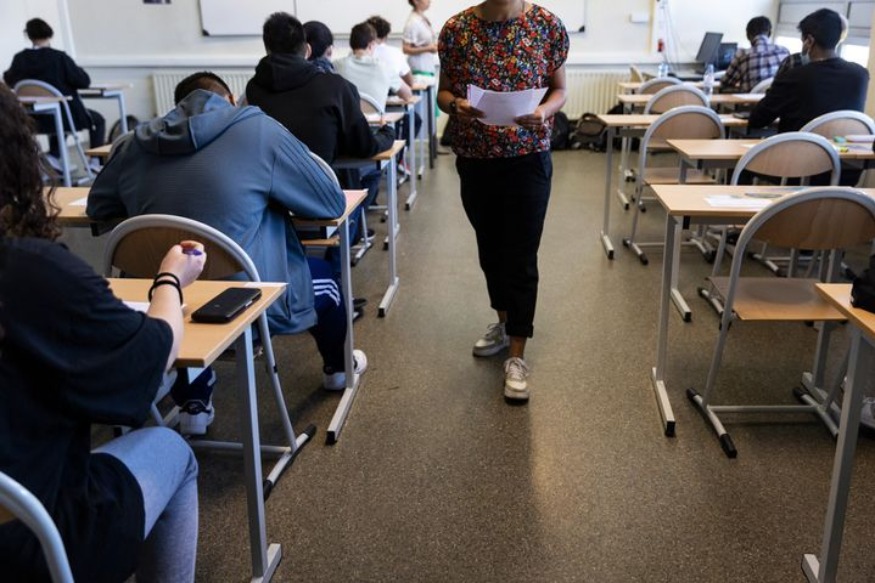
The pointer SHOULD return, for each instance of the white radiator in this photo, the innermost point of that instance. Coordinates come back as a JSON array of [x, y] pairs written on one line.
[[589, 90], [592, 91], [164, 83]]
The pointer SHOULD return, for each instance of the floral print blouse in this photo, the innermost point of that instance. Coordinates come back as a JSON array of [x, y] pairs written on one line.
[[512, 55]]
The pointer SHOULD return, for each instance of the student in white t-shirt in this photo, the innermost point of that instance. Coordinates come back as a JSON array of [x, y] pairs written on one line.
[[362, 68], [420, 43], [387, 53]]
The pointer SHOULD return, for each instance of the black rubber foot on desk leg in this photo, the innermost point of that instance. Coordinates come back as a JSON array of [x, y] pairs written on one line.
[[687, 317], [625, 206], [710, 256], [626, 242], [643, 259], [669, 429], [611, 254], [386, 246], [728, 446], [691, 395]]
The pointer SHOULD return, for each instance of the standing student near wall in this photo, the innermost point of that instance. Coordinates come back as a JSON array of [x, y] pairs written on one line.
[[505, 171]]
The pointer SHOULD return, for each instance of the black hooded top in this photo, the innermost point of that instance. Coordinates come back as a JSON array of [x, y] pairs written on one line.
[[320, 109]]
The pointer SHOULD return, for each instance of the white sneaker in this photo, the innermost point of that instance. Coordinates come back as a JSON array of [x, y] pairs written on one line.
[[494, 341], [867, 415], [516, 371], [336, 381]]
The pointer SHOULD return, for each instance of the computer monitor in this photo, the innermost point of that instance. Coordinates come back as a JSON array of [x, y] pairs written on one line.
[[725, 54], [708, 49]]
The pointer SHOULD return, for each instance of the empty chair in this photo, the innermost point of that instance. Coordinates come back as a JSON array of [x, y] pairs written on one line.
[[635, 74], [675, 96], [35, 88], [825, 219], [136, 247], [16, 502], [687, 122]]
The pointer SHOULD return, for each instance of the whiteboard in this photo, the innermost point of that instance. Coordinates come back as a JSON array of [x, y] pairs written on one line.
[[341, 15], [239, 17]]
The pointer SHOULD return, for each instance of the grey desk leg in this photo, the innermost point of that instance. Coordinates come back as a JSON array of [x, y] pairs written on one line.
[[606, 239], [823, 569], [123, 112], [658, 373], [676, 297], [432, 126], [411, 161], [391, 241], [352, 379], [264, 559]]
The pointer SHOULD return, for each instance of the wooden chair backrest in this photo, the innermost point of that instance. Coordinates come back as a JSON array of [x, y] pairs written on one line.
[[791, 159], [827, 223], [635, 74], [842, 127], [674, 99], [688, 126], [139, 254], [656, 85], [34, 91]]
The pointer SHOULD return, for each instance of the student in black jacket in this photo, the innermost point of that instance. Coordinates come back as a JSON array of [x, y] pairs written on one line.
[[320, 109], [56, 68]]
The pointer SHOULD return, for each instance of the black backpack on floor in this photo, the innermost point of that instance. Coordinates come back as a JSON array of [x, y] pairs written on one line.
[[590, 133], [559, 140]]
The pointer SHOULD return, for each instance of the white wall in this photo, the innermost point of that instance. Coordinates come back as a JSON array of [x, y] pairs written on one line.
[[124, 40]]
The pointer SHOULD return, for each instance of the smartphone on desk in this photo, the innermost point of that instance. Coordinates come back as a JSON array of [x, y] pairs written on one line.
[[227, 305]]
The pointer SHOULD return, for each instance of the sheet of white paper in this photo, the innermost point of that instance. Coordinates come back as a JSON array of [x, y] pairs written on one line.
[[729, 201], [80, 201], [142, 306], [503, 107]]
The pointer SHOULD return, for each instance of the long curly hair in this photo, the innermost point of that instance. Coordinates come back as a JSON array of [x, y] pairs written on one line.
[[24, 210]]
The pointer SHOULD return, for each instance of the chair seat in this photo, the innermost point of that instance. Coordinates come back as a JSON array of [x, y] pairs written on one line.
[[770, 299], [669, 175]]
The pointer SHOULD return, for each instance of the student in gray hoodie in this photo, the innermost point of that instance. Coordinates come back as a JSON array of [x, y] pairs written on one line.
[[239, 171]]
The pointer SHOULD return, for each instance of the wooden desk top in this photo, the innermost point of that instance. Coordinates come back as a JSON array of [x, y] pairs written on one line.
[[101, 152], [202, 344], [691, 199], [735, 149], [421, 86], [99, 89], [839, 296], [387, 117], [639, 120], [395, 101], [641, 99], [29, 100], [72, 201], [631, 86]]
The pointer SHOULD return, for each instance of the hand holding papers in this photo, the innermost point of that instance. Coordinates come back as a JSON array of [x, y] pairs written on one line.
[[503, 108]]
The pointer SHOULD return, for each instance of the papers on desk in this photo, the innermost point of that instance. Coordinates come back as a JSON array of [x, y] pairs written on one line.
[[80, 201], [503, 107], [141, 306], [737, 202], [861, 138]]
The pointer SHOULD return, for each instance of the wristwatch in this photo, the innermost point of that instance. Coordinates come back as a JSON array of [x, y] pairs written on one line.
[[454, 107]]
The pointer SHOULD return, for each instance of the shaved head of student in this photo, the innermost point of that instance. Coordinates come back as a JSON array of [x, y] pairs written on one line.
[[203, 80], [283, 33]]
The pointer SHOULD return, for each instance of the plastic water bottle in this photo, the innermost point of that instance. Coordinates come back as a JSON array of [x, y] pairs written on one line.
[[662, 70], [708, 80]]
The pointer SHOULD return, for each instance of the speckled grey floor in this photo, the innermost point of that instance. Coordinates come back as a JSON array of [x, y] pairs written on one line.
[[435, 478]]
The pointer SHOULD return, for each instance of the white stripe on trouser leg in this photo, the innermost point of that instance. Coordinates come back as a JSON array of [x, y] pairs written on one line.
[[327, 287]]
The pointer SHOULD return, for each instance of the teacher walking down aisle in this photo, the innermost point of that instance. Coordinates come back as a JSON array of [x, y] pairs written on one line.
[[505, 171]]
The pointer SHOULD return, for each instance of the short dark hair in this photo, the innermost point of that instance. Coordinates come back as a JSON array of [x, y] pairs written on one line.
[[38, 29], [824, 26], [283, 33], [381, 25], [319, 38], [361, 36], [201, 80], [759, 25]]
